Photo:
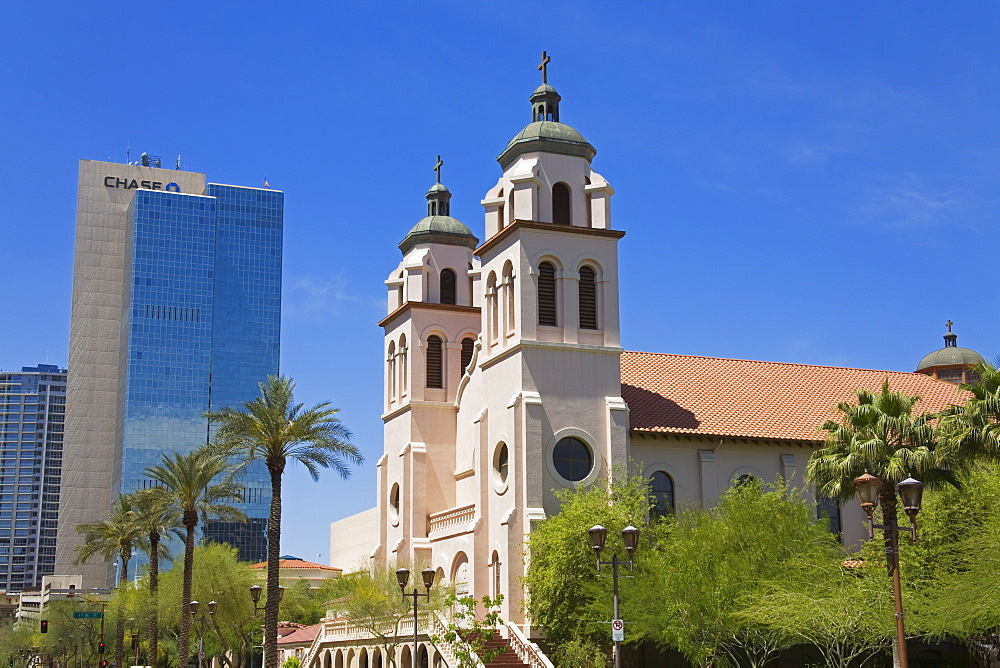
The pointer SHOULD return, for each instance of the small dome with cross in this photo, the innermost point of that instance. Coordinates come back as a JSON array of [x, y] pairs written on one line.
[[951, 363]]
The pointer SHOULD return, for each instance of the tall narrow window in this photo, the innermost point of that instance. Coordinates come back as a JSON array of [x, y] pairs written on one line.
[[661, 492], [560, 204], [401, 362], [508, 297], [492, 312], [447, 286], [547, 295], [588, 298], [435, 376], [390, 364], [468, 346]]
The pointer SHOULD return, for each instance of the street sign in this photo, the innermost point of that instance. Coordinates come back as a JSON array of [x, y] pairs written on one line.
[[617, 630], [87, 615]]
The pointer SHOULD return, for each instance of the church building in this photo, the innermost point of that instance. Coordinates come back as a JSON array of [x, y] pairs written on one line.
[[505, 381]]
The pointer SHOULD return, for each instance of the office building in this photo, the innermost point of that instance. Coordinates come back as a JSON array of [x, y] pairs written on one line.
[[176, 311], [32, 411]]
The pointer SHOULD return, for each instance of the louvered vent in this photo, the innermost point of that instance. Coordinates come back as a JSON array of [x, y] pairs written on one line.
[[467, 347], [547, 295], [588, 298], [434, 374]]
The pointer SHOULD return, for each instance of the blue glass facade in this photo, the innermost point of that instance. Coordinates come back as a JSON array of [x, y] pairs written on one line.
[[203, 320]]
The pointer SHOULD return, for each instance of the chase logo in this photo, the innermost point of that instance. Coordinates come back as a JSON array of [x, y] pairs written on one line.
[[128, 184]]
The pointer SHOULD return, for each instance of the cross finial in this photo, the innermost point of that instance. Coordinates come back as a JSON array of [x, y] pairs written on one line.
[[949, 324], [544, 67], [437, 168]]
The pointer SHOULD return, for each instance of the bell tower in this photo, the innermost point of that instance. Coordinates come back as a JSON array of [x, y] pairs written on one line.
[[430, 333]]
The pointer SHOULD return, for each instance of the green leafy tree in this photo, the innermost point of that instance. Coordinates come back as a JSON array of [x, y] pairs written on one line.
[[843, 615], [188, 482], [371, 600], [154, 515], [291, 662], [690, 592], [565, 595], [219, 576], [272, 428], [950, 579], [115, 537]]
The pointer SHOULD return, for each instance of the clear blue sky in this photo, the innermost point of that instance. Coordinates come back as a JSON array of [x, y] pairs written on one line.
[[809, 182]]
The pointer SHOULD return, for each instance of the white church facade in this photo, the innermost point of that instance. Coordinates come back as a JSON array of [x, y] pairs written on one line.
[[505, 380]]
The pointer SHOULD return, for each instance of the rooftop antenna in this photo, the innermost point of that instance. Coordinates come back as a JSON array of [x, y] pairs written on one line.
[[128, 149], [177, 165]]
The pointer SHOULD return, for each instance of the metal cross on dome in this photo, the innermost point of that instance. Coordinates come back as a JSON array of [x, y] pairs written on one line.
[[437, 168], [949, 324], [544, 67]]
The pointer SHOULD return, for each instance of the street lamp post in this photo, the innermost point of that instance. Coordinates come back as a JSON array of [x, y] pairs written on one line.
[[402, 577], [255, 592], [910, 492], [193, 607], [630, 537]]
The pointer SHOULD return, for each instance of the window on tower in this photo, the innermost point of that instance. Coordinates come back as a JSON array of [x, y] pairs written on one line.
[[588, 298], [468, 347], [560, 204], [547, 295], [447, 286], [435, 375]]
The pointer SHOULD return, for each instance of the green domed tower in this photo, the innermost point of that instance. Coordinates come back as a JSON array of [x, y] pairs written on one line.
[[951, 363]]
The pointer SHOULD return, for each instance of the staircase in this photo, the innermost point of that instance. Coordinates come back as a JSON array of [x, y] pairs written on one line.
[[507, 658]]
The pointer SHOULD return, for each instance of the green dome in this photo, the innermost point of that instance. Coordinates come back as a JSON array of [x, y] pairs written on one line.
[[547, 136], [438, 188], [950, 356], [544, 89], [438, 230]]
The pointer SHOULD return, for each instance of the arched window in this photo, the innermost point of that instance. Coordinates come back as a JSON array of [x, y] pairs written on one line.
[[588, 298], [501, 462], [661, 493], [510, 206], [390, 365], [560, 204], [495, 567], [508, 296], [492, 313], [447, 286], [468, 347], [547, 295], [828, 509], [435, 375], [401, 363]]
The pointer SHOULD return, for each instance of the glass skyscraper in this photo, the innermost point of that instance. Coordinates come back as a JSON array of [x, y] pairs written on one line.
[[198, 329], [32, 413]]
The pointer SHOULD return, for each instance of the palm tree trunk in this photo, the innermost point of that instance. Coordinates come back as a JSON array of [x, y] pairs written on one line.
[[154, 591], [273, 565], [184, 644], [887, 497], [120, 617]]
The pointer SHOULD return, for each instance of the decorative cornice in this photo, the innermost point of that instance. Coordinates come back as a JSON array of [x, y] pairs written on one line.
[[545, 227], [427, 306]]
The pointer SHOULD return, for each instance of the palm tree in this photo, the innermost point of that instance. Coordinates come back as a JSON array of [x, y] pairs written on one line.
[[881, 436], [273, 428], [186, 479], [114, 537], [971, 433], [155, 515]]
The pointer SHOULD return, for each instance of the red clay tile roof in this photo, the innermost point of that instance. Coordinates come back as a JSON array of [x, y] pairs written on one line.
[[771, 400], [297, 563], [302, 635]]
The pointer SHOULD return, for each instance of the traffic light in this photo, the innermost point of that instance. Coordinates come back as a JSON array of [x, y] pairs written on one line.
[[104, 664], [100, 650], [45, 626]]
